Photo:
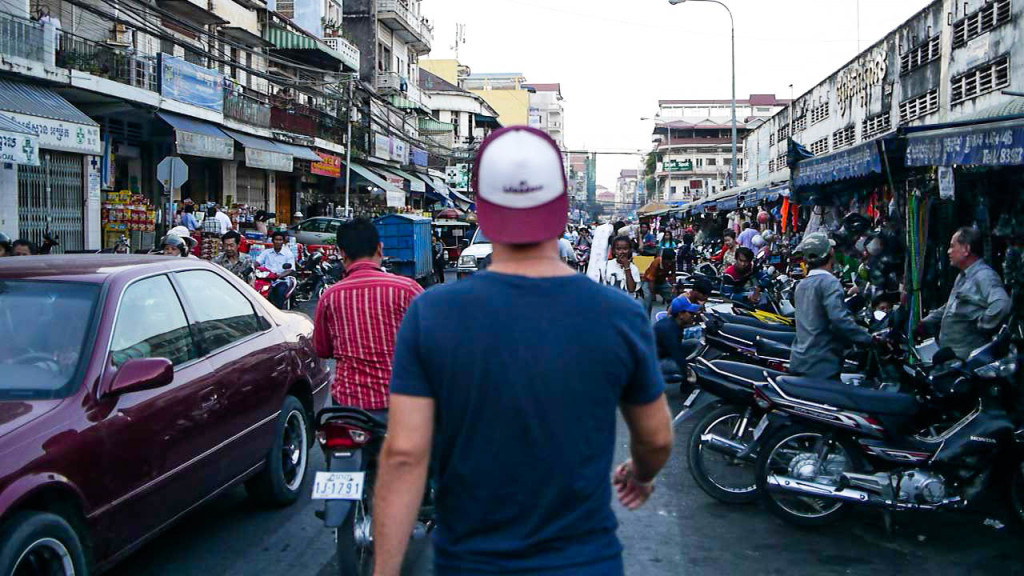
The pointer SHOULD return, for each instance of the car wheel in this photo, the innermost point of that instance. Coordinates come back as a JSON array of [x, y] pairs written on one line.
[[40, 543], [280, 481]]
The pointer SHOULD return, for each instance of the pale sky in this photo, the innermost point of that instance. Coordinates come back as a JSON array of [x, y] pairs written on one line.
[[615, 60]]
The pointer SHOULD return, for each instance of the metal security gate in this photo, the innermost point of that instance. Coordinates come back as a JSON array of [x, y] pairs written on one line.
[[252, 187], [52, 196]]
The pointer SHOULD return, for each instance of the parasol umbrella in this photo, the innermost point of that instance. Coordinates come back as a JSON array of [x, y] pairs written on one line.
[[450, 214]]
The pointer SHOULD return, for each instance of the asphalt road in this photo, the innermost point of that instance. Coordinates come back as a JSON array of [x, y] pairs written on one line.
[[680, 531]]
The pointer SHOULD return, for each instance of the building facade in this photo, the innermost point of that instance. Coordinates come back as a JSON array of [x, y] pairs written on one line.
[[627, 189], [546, 112], [506, 93], [693, 142]]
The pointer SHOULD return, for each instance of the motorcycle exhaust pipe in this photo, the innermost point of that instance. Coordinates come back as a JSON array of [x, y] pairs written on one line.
[[807, 488], [721, 445]]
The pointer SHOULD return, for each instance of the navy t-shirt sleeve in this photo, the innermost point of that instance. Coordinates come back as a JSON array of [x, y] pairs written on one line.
[[646, 383], [408, 374]]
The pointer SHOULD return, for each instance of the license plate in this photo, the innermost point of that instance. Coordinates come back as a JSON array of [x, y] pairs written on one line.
[[760, 427], [338, 485], [691, 398]]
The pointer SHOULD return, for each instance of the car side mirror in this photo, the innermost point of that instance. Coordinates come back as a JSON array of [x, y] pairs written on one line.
[[141, 374]]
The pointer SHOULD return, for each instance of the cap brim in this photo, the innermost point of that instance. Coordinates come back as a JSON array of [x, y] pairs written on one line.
[[523, 226]]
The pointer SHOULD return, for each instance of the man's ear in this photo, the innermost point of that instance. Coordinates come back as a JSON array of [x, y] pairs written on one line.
[[380, 250]]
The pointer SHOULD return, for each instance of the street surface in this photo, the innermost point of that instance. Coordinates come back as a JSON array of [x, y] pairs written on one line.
[[679, 531]]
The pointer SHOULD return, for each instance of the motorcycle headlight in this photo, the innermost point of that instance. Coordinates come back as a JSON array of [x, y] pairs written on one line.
[[467, 261]]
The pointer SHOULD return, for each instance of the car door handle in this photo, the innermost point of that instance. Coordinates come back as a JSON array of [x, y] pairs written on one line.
[[209, 401]]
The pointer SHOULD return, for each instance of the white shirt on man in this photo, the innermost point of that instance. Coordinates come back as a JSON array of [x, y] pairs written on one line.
[[275, 261], [225, 221], [611, 273]]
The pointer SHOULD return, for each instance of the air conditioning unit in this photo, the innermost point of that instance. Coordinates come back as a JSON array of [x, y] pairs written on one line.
[[389, 83]]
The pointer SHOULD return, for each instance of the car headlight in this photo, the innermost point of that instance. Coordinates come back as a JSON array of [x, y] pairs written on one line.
[[467, 262]]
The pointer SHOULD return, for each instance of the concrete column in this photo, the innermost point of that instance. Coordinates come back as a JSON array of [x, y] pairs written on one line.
[[229, 180], [9, 199], [272, 190]]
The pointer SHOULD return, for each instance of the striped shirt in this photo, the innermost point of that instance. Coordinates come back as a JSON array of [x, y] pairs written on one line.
[[356, 323]]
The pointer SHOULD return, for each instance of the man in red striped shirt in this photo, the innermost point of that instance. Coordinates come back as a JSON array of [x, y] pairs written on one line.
[[357, 319]]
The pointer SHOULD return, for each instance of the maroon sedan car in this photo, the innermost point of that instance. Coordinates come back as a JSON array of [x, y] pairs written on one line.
[[133, 389]]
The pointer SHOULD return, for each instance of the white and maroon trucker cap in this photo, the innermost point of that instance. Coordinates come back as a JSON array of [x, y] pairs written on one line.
[[520, 187]]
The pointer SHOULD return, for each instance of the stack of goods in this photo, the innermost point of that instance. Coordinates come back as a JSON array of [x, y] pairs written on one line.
[[124, 212], [209, 247]]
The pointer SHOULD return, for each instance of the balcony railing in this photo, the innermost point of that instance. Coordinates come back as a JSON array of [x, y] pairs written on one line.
[[117, 64], [297, 118], [21, 38], [422, 31], [389, 82], [347, 49], [245, 108]]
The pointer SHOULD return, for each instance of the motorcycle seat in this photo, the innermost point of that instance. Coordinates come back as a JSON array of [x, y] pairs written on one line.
[[840, 395], [771, 349], [753, 322], [748, 372], [749, 334]]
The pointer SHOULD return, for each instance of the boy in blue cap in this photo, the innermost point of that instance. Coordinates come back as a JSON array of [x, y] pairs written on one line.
[[677, 335]]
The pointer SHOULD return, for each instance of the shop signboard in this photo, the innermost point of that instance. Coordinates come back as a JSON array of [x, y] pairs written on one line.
[[396, 181], [1000, 144], [458, 176], [396, 199], [418, 156], [947, 188], [192, 84], [196, 144], [679, 166], [329, 165], [399, 151], [381, 146], [268, 160], [61, 135], [19, 148]]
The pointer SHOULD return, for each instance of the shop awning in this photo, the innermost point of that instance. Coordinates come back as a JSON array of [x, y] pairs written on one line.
[[461, 199], [197, 138], [486, 121], [415, 184], [773, 193], [403, 103], [299, 152], [431, 126], [854, 162], [55, 122], [262, 153], [288, 41], [374, 178], [988, 144]]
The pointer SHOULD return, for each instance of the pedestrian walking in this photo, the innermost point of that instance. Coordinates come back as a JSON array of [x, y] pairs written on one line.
[[522, 429]]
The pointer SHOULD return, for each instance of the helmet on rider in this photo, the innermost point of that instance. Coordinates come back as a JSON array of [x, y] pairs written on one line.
[[173, 245], [5, 245]]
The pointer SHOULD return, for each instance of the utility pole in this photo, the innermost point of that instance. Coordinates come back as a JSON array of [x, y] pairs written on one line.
[[348, 143]]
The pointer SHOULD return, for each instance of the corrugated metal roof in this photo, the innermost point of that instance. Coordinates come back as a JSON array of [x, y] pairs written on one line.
[[38, 101], [435, 126], [8, 125]]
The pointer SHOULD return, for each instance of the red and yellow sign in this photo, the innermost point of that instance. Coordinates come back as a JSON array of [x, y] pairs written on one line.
[[329, 165]]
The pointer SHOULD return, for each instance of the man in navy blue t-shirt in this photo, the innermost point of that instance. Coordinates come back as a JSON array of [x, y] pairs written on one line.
[[512, 379]]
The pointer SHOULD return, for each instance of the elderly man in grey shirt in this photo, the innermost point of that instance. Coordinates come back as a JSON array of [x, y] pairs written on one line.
[[824, 326], [978, 304]]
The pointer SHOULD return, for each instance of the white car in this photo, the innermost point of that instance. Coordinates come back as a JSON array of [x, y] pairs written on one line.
[[474, 255]]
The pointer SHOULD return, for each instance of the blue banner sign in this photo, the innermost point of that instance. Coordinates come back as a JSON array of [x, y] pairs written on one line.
[[1000, 144], [858, 161], [419, 156], [186, 82]]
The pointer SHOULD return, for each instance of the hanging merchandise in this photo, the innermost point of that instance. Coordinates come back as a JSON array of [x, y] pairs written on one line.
[[918, 209]]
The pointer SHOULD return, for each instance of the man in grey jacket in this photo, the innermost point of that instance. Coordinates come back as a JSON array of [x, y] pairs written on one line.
[[824, 326], [978, 304]]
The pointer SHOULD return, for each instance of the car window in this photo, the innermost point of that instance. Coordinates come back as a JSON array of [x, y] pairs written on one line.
[[222, 313], [317, 225], [332, 226], [151, 324]]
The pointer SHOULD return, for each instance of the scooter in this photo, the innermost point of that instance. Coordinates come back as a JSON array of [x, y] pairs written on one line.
[[264, 280]]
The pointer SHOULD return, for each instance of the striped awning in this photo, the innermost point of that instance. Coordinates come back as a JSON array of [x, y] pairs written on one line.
[[431, 126], [287, 40]]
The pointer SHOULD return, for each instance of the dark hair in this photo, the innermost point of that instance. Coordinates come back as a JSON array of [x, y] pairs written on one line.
[[618, 239], [26, 243], [189, 208], [358, 238], [668, 232], [971, 238], [703, 286], [744, 251], [277, 233], [729, 234], [687, 238], [232, 235], [211, 211], [618, 226], [668, 254]]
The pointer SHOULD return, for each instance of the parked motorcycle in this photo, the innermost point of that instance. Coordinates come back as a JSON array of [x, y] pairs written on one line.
[[936, 447], [351, 440], [264, 280], [319, 274]]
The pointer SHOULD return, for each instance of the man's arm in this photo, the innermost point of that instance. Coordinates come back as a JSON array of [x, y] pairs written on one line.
[[402, 476], [997, 302], [632, 274], [934, 319], [322, 340], [650, 444], [840, 317]]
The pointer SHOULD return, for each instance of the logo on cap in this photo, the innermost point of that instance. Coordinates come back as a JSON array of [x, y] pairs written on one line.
[[523, 188]]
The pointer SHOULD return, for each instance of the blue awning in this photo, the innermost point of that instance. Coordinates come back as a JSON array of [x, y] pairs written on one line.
[[300, 152], [728, 203], [40, 102], [197, 138], [375, 179], [773, 193], [991, 144], [854, 162], [8, 125]]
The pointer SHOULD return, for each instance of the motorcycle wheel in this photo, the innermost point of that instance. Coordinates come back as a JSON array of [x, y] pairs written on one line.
[[722, 476], [354, 559], [793, 452]]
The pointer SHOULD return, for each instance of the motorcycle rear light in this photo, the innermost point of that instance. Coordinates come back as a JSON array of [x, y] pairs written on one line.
[[333, 435]]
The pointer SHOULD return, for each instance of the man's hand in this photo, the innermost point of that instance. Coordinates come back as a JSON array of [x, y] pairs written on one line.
[[631, 493], [755, 296]]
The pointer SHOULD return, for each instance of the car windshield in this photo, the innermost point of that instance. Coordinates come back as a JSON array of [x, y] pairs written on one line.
[[479, 238], [44, 327]]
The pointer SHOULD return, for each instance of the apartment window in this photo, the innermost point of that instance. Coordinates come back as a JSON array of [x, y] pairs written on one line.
[[982, 20], [981, 80], [782, 133], [771, 139], [712, 162], [819, 147], [920, 55], [819, 113], [699, 162], [800, 124], [918, 106], [781, 161], [876, 125], [844, 137], [764, 110]]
